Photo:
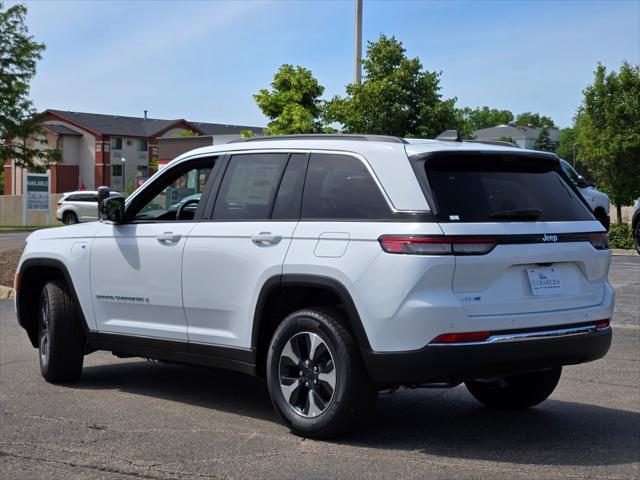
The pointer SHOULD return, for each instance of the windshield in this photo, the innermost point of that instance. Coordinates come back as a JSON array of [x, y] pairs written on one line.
[[496, 188]]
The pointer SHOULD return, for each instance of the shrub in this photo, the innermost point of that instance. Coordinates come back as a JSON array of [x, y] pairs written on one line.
[[620, 235]]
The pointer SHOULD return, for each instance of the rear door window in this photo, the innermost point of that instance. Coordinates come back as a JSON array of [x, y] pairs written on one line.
[[340, 187], [248, 188], [495, 188]]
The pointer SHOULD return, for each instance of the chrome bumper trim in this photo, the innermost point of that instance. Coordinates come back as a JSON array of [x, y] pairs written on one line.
[[528, 336]]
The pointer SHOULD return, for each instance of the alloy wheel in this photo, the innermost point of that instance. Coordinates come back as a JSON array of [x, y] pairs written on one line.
[[44, 331], [307, 374]]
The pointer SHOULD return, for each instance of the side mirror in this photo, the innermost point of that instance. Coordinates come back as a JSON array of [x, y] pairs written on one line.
[[582, 183], [110, 208]]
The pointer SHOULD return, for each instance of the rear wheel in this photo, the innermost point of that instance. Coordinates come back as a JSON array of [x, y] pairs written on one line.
[[60, 336], [514, 392], [316, 378], [69, 218]]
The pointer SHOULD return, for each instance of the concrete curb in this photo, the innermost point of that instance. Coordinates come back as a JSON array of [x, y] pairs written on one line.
[[620, 251], [5, 292]]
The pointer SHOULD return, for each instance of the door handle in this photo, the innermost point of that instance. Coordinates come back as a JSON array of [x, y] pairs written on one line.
[[266, 238], [168, 238]]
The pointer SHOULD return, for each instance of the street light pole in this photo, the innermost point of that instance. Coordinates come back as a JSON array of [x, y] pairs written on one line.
[[124, 178], [358, 57]]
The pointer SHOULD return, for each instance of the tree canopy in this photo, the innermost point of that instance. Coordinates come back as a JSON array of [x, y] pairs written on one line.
[[543, 142], [608, 132], [471, 119], [396, 97], [530, 119], [293, 104], [19, 54]]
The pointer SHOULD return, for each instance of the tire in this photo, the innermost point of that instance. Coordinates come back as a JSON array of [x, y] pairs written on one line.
[[60, 336], [336, 362], [636, 236], [515, 392], [603, 218], [69, 218]]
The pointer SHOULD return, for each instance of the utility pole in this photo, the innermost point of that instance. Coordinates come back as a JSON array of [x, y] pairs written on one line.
[[358, 59]]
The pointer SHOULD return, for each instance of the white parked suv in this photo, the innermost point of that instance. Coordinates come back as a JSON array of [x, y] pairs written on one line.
[[334, 267], [597, 200], [79, 206]]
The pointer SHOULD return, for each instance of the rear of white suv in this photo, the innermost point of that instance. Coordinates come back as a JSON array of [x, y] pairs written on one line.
[[525, 288], [336, 267]]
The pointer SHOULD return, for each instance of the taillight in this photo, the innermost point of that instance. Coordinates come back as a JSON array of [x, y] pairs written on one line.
[[59, 202], [437, 244], [602, 324], [467, 337], [600, 241]]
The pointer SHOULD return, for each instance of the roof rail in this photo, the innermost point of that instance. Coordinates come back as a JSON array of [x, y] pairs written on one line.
[[323, 136]]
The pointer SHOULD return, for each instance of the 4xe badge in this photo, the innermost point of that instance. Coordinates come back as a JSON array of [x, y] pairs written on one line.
[[549, 238]]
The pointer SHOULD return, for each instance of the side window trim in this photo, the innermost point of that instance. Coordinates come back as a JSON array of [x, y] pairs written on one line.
[[307, 156]]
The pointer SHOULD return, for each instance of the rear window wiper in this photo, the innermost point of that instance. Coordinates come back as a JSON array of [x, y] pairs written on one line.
[[521, 214]]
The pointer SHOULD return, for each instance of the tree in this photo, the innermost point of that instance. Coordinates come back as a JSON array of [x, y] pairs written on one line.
[[530, 119], [186, 134], [246, 133], [396, 97], [543, 142], [472, 119], [507, 138], [608, 132], [293, 103], [567, 144], [19, 122]]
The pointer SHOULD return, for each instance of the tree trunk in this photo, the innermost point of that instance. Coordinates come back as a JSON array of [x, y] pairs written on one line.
[[619, 213]]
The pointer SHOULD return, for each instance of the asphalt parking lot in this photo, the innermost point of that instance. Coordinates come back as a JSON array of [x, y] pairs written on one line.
[[136, 419]]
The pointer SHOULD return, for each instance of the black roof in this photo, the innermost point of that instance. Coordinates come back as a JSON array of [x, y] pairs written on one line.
[[141, 127], [60, 129]]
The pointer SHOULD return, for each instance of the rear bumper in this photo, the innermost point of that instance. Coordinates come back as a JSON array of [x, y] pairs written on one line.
[[440, 363]]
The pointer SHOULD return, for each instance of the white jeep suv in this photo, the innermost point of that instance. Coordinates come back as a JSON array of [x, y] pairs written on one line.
[[334, 267]]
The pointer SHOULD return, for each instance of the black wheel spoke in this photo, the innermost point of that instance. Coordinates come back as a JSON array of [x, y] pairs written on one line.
[[307, 374]]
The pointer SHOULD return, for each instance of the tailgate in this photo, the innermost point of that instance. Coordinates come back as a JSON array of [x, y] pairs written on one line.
[[543, 249]]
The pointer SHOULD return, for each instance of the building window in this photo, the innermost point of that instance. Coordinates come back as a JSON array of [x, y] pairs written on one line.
[[116, 143], [116, 170], [142, 146], [141, 171]]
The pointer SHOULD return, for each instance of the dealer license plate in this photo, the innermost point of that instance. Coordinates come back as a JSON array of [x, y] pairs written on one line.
[[545, 281]]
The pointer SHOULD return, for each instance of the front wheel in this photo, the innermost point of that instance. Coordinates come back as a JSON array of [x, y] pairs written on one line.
[[316, 378], [69, 218], [60, 336], [515, 392]]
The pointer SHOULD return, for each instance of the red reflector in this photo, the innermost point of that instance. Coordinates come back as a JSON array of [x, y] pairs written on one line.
[[602, 324], [462, 337], [600, 241]]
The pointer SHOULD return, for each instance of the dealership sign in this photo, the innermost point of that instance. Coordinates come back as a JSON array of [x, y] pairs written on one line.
[[36, 194]]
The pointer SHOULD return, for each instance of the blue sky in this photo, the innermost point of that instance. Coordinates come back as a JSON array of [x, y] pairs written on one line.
[[203, 60]]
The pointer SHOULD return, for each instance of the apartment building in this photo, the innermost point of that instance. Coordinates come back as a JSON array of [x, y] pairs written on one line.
[[100, 149]]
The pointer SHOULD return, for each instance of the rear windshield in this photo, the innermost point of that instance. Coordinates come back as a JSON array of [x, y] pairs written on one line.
[[497, 188]]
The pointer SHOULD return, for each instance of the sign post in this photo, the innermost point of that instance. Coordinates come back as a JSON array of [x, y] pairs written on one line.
[[36, 190]]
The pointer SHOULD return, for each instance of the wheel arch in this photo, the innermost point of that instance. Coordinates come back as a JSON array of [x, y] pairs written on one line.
[[34, 273], [284, 294]]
